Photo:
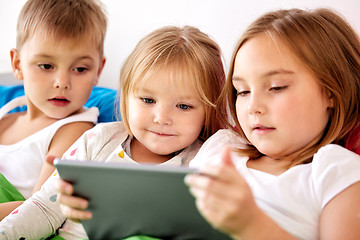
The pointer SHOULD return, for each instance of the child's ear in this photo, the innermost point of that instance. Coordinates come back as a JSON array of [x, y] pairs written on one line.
[[331, 99], [101, 67], [15, 64]]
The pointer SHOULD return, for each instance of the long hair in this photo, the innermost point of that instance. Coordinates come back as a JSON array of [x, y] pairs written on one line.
[[327, 45]]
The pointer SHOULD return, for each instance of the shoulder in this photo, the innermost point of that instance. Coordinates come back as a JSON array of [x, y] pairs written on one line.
[[105, 132], [221, 138], [88, 115], [332, 157], [109, 129], [72, 130], [213, 147], [66, 135], [102, 137], [334, 168]]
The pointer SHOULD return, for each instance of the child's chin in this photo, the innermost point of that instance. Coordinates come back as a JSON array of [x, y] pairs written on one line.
[[58, 116]]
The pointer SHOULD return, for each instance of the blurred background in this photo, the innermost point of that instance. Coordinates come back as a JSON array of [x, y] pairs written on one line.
[[130, 20]]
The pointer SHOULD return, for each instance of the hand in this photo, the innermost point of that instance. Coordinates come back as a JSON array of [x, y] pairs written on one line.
[[72, 207], [223, 196]]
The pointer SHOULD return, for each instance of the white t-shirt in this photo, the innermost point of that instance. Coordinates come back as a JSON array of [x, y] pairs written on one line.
[[21, 162], [295, 198]]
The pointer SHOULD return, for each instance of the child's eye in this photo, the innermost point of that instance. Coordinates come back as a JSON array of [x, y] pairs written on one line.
[[184, 106], [46, 66], [80, 69], [242, 93], [278, 88], [148, 100]]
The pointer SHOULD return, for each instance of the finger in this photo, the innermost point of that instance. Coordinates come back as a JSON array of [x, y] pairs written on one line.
[[220, 171], [50, 159], [226, 158], [64, 187], [75, 214], [201, 186], [223, 169], [73, 201]]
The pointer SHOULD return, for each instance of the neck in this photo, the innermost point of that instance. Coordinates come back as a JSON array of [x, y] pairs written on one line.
[[269, 165]]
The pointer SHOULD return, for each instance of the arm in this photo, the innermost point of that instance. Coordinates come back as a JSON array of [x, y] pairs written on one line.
[[340, 218], [7, 207], [61, 141], [41, 214], [38, 217], [225, 199]]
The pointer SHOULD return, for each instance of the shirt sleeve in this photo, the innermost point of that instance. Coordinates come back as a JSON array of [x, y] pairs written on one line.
[[334, 169]]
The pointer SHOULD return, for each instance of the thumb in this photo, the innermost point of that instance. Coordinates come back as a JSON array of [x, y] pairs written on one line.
[[226, 158], [50, 159]]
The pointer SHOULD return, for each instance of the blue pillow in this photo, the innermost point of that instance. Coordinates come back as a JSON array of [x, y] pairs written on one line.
[[104, 99]]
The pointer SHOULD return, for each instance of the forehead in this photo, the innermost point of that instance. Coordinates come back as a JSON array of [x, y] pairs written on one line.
[[263, 53], [43, 42], [259, 48]]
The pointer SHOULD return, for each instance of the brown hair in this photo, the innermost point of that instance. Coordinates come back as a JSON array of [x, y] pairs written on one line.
[[327, 45], [185, 51], [78, 19]]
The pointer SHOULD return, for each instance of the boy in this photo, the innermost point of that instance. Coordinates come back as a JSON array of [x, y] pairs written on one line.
[[59, 56]]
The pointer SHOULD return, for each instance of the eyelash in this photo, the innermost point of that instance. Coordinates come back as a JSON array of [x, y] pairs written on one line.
[[46, 66], [152, 101], [187, 107], [146, 100], [83, 69], [43, 66], [275, 89], [242, 93], [278, 88]]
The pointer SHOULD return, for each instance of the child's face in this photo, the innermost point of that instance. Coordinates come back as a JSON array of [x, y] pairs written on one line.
[[280, 105], [58, 74], [164, 117]]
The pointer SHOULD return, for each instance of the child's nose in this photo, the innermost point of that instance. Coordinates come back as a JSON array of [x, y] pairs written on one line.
[[256, 104], [62, 81], [162, 116]]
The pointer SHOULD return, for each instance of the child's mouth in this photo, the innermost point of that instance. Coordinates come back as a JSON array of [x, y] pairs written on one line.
[[59, 102]]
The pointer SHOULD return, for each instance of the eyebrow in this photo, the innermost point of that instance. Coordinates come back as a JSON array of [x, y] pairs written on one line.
[[278, 71], [268, 74], [41, 55]]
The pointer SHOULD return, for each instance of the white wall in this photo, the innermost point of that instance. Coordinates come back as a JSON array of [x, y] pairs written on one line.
[[130, 20]]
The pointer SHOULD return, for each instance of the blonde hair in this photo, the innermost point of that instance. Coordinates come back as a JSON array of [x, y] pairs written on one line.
[[327, 45], [186, 51], [74, 19]]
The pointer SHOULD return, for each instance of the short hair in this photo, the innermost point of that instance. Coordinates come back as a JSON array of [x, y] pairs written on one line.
[[185, 51], [78, 19], [328, 46]]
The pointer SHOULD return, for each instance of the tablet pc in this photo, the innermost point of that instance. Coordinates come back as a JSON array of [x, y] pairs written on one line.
[[132, 199]]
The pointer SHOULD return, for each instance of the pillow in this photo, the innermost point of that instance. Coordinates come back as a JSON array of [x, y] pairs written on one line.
[[353, 139], [102, 98]]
